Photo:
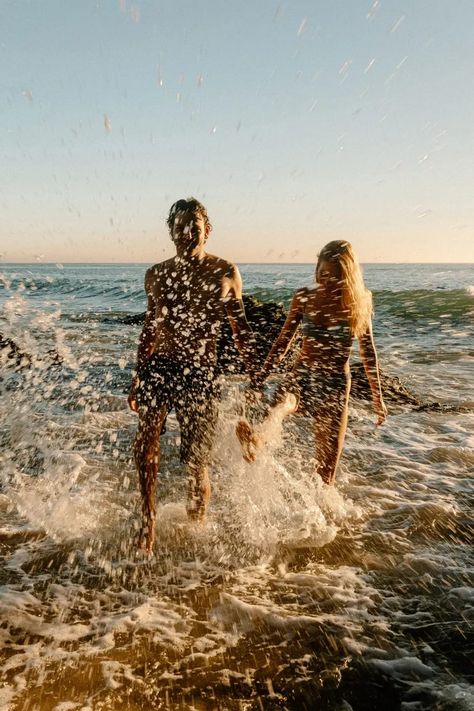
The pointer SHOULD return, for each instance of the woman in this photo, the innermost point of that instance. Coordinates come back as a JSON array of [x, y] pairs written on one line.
[[333, 313]]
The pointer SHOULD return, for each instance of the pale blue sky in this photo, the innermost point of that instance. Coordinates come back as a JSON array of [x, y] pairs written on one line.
[[295, 122]]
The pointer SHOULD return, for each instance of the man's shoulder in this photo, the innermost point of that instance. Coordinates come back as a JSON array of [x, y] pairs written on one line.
[[155, 274], [226, 268], [159, 268]]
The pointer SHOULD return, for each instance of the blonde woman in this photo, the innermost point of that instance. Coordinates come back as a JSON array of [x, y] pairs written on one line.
[[333, 313]]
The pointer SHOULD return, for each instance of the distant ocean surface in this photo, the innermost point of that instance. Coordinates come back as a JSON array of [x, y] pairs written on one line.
[[293, 595]]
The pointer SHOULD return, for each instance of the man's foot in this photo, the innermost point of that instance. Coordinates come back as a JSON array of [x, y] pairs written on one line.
[[249, 441], [196, 514], [146, 537], [328, 477]]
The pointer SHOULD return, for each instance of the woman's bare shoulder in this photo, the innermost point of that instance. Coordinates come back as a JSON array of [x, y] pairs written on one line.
[[305, 294]]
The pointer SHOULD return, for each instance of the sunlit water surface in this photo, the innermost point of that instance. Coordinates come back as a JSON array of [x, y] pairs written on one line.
[[292, 595]]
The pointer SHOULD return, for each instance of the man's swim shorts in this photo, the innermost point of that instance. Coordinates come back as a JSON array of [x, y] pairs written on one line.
[[194, 393]]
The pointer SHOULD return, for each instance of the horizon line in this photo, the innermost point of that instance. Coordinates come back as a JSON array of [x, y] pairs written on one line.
[[62, 263]]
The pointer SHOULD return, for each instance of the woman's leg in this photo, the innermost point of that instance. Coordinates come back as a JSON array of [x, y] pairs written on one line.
[[330, 423]]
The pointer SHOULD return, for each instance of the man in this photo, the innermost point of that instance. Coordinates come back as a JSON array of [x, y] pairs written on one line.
[[188, 298]]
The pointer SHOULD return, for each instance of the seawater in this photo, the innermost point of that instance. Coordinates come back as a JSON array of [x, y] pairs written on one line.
[[293, 595]]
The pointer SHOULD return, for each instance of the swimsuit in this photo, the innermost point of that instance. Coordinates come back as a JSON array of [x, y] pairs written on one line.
[[340, 333], [317, 386], [193, 392]]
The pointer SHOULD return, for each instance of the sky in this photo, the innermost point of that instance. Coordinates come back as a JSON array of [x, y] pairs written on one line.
[[296, 122]]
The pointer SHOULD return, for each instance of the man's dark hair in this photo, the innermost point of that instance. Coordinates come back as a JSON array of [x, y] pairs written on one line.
[[187, 205]]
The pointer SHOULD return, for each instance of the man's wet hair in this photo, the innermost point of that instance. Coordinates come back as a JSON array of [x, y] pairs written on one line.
[[187, 205]]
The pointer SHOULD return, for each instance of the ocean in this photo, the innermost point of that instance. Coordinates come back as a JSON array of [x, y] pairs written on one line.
[[293, 595]]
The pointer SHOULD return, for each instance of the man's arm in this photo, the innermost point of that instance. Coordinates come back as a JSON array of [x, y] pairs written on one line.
[[287, 333], [368, 355], [243, 335], [146, 340]]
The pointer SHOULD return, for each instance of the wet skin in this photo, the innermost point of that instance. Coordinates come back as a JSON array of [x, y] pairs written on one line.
[[323, 306], [188, 298]]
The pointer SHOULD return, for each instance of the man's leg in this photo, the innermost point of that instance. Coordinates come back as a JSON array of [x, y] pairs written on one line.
[[147, 460], [199, 491], [198, 422]]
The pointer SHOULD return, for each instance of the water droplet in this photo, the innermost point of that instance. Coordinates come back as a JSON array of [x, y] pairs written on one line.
[[345, 67], [302, 26], [397, 23], [373, 10], [369, 66], [135, 14]]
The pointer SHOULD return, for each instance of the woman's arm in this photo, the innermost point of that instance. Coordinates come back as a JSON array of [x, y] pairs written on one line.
[[287, 333], [368, 355]]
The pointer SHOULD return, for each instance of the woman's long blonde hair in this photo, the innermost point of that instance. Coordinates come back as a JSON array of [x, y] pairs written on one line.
[[356, 298]]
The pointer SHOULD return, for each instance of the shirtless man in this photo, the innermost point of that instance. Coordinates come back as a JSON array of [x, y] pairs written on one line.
[[188, 298]]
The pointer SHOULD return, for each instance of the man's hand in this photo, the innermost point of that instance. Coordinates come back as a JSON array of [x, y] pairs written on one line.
[[132, 395]]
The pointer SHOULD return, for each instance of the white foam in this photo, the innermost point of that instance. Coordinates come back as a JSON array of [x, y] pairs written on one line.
[[463, 593], [405, 668], [266, 521], [460, 694], [55, 501], [277, 498]]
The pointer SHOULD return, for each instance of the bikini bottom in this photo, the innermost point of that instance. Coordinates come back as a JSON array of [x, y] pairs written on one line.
[[315, 389]]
